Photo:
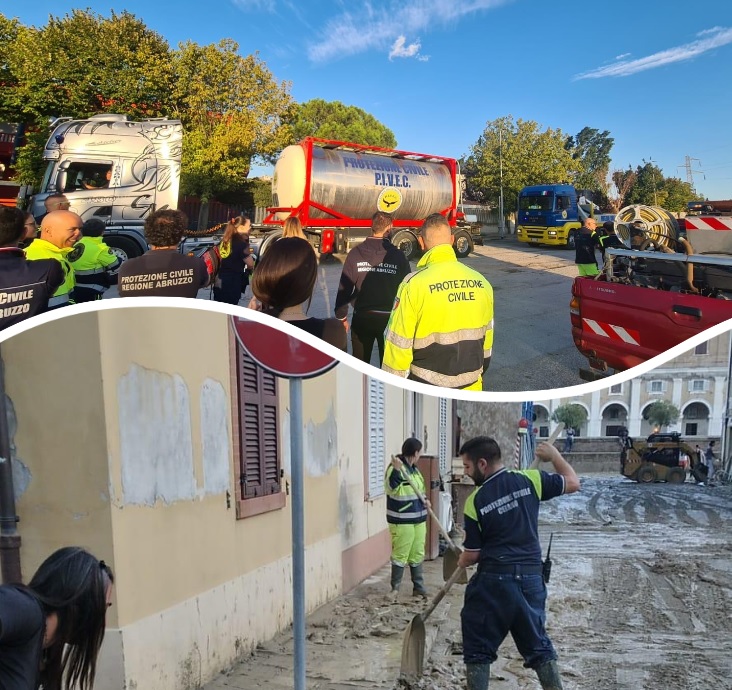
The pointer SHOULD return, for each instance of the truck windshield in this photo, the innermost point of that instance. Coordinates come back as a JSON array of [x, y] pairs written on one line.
[[536, 202], [47, 178]]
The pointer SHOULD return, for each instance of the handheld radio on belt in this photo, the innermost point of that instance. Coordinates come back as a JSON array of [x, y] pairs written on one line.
[[546, 566]]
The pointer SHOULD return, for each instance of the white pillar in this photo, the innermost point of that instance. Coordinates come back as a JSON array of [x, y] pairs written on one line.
[[634, 418], [716, 420], [676, 392], [594, 428]]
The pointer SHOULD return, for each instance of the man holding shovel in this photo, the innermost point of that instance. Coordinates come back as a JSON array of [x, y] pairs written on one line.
[[508, 593]]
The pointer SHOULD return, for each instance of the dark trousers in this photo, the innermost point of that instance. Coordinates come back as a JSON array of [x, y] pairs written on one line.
[[82, 294], [496, 604], [231, 287], [368, 328]]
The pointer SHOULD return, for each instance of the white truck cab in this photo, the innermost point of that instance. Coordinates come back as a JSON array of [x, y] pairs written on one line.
[[114, 169]]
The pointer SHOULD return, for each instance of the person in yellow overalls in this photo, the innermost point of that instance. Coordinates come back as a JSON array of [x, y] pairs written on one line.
[[60, 230], [441, 326], [406, 514]]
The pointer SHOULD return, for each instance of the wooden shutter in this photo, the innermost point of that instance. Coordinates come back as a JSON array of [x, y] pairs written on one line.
[[376, 436], [258, 406]]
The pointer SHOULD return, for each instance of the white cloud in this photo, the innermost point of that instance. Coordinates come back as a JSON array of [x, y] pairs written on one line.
[[620, 57], [715, 38], [400, 49], [380, 27], [255, 5]]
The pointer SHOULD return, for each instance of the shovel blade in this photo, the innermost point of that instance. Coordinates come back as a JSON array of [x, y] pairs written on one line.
[[413, 646], [450, 565]]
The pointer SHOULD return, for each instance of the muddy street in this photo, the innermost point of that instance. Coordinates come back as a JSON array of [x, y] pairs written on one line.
[[639, 599]]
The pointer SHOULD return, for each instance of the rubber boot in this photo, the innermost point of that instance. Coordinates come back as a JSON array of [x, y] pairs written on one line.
[[548, 674], [397, 571], [477, 676], [418, 581]]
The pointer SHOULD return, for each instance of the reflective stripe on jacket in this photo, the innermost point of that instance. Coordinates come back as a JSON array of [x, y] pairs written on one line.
[[402, 504], [94, 262], [441, 327]]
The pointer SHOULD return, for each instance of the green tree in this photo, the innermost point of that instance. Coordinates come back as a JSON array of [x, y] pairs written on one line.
[[334, 120], [76, 66], [84, 63], [233, 111], [572, 414], [661, 413], [591, 148], [529, 155], [648, 187], [677, 194]]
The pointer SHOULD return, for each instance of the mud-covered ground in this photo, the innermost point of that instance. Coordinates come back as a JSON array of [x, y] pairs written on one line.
[[640, 599]]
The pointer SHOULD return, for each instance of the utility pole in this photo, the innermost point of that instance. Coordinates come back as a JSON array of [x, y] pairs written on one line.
[[501, 219], [689, 171], [653, 177], [725, 450]]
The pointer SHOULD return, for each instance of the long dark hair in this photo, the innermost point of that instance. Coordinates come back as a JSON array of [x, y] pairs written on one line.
[[285, 275], [73, 584], [232, 229]]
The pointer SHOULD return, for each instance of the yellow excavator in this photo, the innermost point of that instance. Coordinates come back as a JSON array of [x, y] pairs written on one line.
[[662, 457]]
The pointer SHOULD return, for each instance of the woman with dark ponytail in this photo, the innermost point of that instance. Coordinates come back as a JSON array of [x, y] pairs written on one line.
[[235, 259], [65, 603]]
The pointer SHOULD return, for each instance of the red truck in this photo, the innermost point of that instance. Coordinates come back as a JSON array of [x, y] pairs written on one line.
[[645, 302]]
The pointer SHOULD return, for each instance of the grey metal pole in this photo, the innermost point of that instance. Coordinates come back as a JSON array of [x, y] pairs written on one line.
[[725, 454], [9, 537], [501, 220], [298, 532]]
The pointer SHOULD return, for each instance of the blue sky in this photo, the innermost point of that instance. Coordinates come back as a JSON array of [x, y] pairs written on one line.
[[656, 74]]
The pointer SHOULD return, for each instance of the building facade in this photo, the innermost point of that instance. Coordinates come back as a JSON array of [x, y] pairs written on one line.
[[695, 382], [163, 449]]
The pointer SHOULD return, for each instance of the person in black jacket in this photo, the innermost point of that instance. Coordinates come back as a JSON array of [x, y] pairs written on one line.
[[585, 242], [371, 276], [232, 279], [52, 630], [25, 286]]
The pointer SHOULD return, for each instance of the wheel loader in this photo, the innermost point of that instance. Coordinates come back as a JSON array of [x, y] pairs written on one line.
[[659, 459]]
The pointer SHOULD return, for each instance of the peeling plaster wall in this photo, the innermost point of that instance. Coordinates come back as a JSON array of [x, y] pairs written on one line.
[[216, 445], [156, 449], [58, 431]]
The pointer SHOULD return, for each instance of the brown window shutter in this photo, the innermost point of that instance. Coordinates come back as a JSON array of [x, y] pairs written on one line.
[[258, 405]]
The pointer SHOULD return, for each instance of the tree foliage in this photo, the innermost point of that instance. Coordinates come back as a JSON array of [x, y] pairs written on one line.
[[232, 110], [591, 148], [661, 413], [528, 154], [572, 414], [334, 120]]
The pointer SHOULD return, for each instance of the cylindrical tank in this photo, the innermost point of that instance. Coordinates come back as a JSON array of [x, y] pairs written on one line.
[[358, 184]]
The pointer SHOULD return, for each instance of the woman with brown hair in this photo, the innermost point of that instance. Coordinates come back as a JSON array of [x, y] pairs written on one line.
[[293, 228], [51, 631], [232, 280], [283, 287]]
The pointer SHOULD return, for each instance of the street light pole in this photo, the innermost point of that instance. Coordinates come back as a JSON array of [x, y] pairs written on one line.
[[501, 219]]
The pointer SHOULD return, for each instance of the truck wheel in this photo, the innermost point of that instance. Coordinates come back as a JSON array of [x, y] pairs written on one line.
[[645, 475], [407, 242], [123, 247], [463, 244], [571, 240], [676, 475], [266, 244]]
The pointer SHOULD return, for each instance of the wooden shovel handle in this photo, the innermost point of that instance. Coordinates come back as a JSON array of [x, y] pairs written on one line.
[[554, 436], [441, 594], [423, 498]]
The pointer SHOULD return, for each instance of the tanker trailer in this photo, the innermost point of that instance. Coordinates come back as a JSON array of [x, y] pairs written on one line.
[[334, 188]]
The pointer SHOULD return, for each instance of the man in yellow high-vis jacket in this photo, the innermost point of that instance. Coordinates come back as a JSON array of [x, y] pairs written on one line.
[[60, 231], [441, 327]]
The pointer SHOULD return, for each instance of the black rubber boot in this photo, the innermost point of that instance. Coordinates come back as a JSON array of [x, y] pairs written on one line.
[[397, 571], [418, 581], [477, 676], [548, 674]]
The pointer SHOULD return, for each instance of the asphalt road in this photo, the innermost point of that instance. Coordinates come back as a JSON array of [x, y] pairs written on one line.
[[533, 348]]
